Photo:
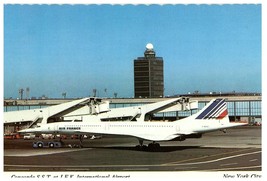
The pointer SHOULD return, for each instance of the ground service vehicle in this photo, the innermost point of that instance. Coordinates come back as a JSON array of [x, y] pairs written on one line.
[[50, 144]]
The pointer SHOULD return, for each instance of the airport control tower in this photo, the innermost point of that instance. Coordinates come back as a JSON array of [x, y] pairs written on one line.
[[148, 75]]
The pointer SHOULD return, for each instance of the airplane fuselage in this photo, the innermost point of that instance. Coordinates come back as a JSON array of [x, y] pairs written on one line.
[[154, 131]]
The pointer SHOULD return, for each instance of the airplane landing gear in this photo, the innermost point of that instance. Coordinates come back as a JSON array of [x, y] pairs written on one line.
[[141, 147], [154, 146], [151, 146], [81, 141]]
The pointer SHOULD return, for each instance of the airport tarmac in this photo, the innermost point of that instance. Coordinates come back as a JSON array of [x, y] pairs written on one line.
[[239, 149]]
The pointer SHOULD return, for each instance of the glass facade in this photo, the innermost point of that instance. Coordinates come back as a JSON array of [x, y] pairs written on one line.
[[255, 108], [244, 108], [26, 107]]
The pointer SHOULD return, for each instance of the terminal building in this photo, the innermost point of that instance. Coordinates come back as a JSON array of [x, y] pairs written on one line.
[[148, 75], [241, 107]]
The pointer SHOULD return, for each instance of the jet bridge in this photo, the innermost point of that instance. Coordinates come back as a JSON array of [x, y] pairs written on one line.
[[100, 111], [171, 105], [93, 106], [183, 104]]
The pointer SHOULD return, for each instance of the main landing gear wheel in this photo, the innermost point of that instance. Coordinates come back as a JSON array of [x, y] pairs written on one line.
[[141, 147], [153, 146]]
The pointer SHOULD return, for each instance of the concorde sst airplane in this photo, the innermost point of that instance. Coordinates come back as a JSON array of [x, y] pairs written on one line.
[[214, 116]]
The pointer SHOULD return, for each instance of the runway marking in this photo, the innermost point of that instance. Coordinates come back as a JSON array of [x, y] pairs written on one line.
[[141, 167], [39, 152], [135, 169], [19, 169], [77, 166], [216, 160], [183, 168], [234, 168], [228, 164], [219, 154], [77, 169]]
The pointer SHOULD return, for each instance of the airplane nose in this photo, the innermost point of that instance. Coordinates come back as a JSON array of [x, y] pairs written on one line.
[[25, 131], [22, 131]]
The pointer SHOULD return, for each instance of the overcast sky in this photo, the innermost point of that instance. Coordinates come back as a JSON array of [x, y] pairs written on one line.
[[77, 48]]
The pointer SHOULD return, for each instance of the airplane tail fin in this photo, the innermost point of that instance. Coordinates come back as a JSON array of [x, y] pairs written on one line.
[[215, 109]]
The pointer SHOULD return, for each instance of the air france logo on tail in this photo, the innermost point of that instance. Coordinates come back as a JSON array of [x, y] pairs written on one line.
[[216, 110]]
